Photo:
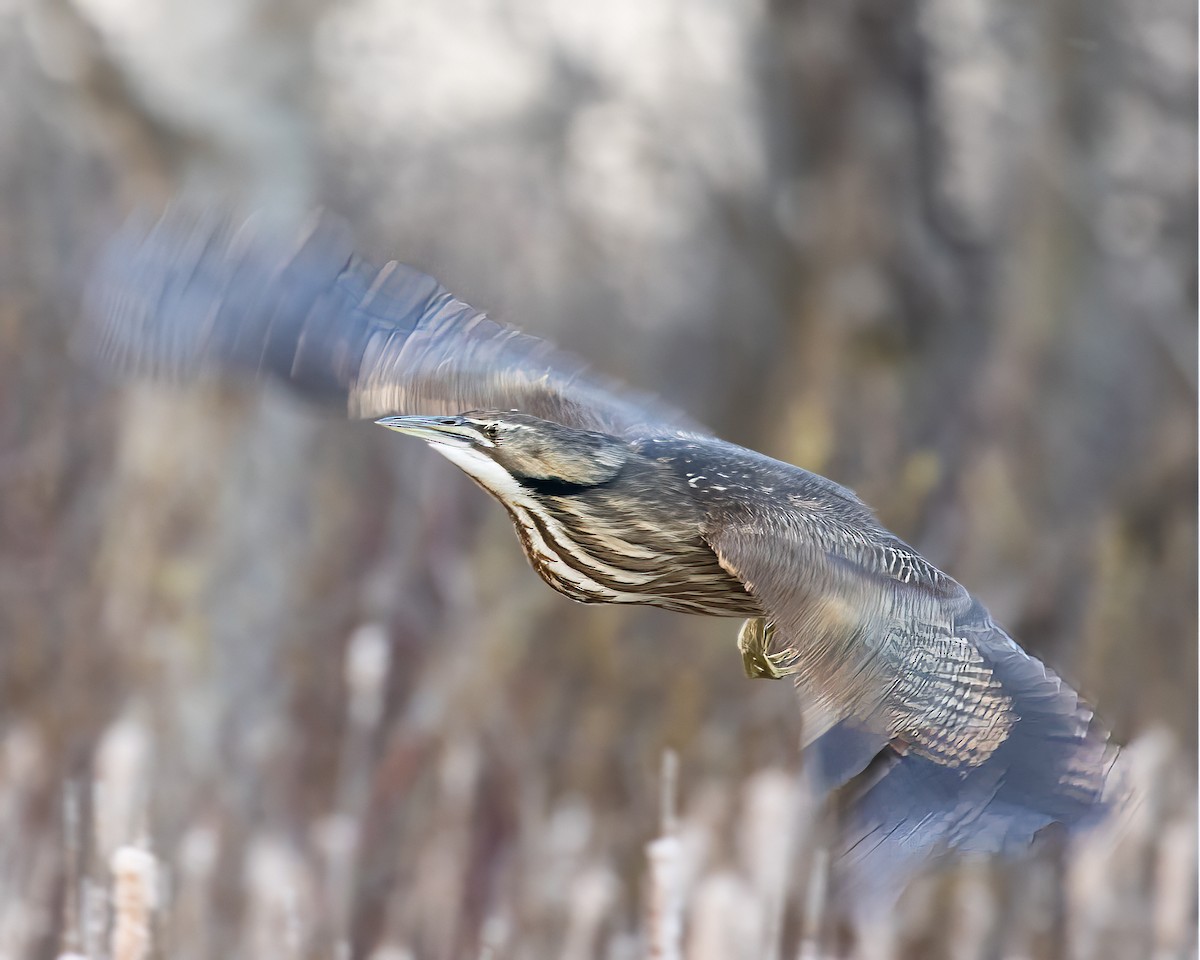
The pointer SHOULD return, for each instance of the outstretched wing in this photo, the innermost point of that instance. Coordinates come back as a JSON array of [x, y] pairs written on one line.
[[192, 295], [985, 746]]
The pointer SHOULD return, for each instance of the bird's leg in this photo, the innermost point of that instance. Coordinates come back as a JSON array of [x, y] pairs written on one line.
[[754, 642]]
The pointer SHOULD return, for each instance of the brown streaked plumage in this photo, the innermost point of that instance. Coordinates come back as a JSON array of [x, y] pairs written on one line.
[[617, 499]]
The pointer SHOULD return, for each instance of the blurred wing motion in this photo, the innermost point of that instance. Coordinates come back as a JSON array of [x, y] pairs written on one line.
[[192, 295], [971, 743]]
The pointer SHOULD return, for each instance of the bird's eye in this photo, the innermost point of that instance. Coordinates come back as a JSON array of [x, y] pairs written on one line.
[[492, 431]]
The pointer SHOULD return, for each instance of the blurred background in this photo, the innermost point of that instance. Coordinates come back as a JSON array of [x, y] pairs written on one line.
[[275, 685]]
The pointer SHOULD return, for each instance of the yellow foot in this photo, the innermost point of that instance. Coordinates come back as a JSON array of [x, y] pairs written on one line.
[[754, 640]]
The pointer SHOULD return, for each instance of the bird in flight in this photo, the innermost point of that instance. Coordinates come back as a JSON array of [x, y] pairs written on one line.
[[951, 736]]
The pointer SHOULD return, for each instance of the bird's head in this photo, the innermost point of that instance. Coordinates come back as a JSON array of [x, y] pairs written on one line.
[[502, 449]]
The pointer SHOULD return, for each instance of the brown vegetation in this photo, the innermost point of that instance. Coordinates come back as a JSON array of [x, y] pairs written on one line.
[[273, 685]]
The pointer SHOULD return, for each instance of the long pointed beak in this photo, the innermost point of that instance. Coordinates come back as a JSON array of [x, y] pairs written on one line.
[[452, 431]]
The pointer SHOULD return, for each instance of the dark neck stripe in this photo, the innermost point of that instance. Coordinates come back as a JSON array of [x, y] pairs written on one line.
[[554, 487]]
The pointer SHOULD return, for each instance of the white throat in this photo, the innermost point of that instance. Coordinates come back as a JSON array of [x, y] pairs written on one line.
[[482, 468], [543, 555]]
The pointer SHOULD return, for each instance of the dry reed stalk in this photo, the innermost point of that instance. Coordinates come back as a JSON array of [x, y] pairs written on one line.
[[135, 876], [94, 916], [192, 906], [972, 919], [770, 803], [1175, 884], [71, 935], [365, 671], [279, 902], [1109, 876], [725, 919], [391, 951], [495, 936], [435, 910], [22, 766], [121, 784], [664, 913], [368, 658], [590, 901], [557, 846], [816, 896]]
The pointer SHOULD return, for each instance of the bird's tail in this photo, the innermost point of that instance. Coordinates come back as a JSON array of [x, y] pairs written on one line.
[[910, 808]]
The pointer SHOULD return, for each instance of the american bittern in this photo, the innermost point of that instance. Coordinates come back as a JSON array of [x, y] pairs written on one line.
[[976, 745]]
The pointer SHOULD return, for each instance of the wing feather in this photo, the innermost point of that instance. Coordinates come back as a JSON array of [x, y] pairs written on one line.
[[875, 630], [986, 745], [192, 295]]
